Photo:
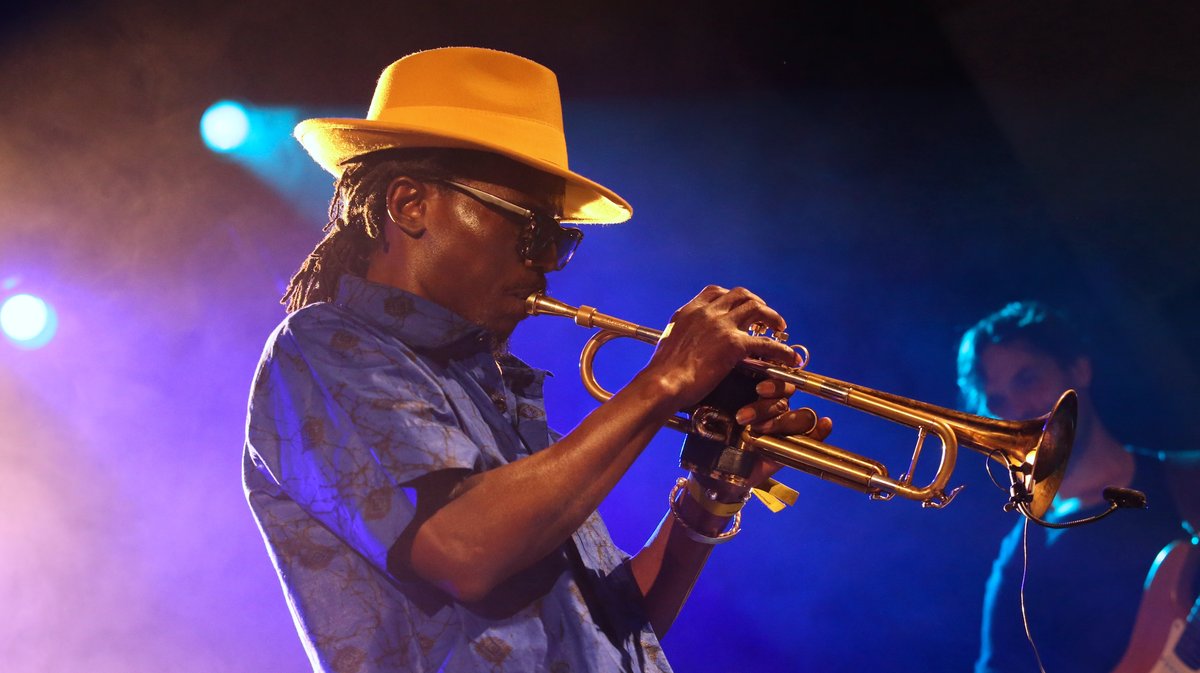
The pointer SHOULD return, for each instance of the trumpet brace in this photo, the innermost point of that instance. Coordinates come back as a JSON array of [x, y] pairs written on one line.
[[713, 447]]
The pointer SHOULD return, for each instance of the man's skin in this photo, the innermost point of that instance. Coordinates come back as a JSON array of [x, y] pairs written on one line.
[[474, 531]]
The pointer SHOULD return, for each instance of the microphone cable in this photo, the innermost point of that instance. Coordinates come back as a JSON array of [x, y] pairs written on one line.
[[1022, 500]]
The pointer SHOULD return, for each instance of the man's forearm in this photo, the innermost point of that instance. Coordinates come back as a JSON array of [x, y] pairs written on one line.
[[666, 569], [501, 521]]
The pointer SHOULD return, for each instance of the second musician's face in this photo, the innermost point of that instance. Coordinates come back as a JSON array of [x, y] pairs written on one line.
[[1021, 382]]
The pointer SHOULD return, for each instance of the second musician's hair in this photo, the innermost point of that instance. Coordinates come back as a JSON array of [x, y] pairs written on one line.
[[1039, 326]]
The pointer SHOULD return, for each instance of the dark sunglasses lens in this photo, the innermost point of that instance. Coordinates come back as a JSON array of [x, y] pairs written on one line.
[[547, 230], [567, 243]]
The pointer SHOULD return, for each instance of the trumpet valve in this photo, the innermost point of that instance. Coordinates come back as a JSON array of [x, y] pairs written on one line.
[[760, 329]]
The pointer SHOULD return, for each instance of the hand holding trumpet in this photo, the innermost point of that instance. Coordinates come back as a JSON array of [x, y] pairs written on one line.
[[708, 337]]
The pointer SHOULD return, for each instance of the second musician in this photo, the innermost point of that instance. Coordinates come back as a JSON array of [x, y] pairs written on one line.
[[1083, 584]]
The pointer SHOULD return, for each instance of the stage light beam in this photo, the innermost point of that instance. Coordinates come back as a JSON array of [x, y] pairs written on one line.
[[224, 126], [27, 321]]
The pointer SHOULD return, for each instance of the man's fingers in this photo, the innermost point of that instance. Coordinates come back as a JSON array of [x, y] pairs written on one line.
[[771, 351], [823, 428], [762, 410], [794, 422], [774, 388], [750, 310]]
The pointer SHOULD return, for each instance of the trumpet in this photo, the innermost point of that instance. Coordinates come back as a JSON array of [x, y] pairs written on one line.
[[1035, 451]]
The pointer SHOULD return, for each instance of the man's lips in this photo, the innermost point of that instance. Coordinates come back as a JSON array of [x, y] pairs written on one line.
[[523, 293]]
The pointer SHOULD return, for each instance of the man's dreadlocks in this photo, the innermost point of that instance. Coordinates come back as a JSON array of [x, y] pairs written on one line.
[[357, 214]]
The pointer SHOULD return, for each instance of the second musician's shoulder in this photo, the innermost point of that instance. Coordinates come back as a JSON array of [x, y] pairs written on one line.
[[1181, 470], [1182, 458]]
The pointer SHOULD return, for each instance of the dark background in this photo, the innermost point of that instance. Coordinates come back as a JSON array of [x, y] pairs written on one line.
[[882, 173]]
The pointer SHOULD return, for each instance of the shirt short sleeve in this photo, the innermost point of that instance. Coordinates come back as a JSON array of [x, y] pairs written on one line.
[[341, 418]]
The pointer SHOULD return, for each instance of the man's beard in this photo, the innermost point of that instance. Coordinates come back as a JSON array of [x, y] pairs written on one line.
[[499, 345]]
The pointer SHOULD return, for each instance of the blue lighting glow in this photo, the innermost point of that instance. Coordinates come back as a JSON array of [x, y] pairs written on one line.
[[224, 126], [259, 139], [27, 321]]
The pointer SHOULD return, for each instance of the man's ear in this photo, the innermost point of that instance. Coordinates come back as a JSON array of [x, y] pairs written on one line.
[[406, 205]]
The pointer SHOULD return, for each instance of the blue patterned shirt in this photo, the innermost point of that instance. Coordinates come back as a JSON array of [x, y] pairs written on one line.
[[352, 401]]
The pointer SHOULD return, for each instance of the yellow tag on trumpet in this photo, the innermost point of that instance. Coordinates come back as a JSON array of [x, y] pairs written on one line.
[[775, 495]]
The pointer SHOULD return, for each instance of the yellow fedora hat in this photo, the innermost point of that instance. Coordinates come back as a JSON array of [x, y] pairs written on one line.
[[472, 98]]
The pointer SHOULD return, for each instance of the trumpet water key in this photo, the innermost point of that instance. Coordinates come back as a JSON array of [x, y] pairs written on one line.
[[1035, 451]]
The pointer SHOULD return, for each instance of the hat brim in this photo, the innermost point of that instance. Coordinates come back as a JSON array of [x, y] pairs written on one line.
[[332, 142]]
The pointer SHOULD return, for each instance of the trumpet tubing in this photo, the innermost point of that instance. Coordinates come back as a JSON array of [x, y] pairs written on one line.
[[1035, 451]]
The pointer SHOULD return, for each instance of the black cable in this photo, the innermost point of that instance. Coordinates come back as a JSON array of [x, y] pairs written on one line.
[[1024, 614]]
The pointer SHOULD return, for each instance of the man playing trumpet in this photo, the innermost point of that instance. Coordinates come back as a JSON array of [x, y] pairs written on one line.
[[420, 513]]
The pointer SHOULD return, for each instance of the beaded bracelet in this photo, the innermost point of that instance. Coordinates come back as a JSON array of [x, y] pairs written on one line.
[[693, 534]]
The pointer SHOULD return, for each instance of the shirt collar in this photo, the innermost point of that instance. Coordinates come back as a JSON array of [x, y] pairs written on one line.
[[418, 322]]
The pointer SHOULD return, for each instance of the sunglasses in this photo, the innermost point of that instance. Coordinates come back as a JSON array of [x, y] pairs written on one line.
[[540, 231]]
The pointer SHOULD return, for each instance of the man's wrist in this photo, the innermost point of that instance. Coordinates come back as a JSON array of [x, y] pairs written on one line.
[[719, 489], [698, 521], [656, 392], [717, 498]]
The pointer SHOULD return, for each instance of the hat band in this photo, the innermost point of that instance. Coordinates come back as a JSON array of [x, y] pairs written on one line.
[[518, 135]]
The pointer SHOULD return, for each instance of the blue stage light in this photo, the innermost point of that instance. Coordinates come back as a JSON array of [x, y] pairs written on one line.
[[224, 126], [27, 321]]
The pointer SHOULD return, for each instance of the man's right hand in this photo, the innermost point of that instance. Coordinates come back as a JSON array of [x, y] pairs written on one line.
[[708, 337]]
